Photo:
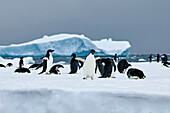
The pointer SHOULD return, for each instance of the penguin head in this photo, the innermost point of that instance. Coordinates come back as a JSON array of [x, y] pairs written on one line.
[[73, 55], [92, 51], [21, 58], [50, 51]]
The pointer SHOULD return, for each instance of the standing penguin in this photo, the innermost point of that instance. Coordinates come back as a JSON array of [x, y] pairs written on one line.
[[150, 58], [109, 68], [158, 58], [74, 64], [21, 63], [89, 65], [47, 62]]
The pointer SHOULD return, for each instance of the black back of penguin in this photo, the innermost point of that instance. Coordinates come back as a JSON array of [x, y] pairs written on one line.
[[73, 64], [106, 69], [123, 65], [133, 72]]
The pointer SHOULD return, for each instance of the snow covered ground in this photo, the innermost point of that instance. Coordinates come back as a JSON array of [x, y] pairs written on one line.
[[65, 93]]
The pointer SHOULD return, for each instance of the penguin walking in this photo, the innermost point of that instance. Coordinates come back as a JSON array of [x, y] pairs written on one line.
[[47, 62], [89, 65], [75, 64]]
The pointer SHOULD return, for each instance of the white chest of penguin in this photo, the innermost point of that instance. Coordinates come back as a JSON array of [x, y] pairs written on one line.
[[49, 62], [89, 66]]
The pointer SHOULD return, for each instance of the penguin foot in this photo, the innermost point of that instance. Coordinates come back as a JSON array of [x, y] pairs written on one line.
[[91, 78], [47, 73]]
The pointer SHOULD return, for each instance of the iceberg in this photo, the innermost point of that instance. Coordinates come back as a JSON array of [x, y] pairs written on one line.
[[65, 45]]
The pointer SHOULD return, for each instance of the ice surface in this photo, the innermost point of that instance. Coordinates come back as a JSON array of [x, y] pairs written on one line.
[[64, 45], [33, 93]]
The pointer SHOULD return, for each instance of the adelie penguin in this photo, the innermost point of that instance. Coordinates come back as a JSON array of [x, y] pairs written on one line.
[[89, 65], [55, 69], [47, 62], [123, 65], [21, 69], [9, 65], [134, 73], [75, 64], [107, 70], [1, 65]]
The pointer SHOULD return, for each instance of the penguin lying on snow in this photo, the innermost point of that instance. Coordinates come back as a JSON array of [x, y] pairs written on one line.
[[22, 70], [1, 65], [106, 70], [9, 65], [55, 69], [135, 74], [89, 65], [123, 65]]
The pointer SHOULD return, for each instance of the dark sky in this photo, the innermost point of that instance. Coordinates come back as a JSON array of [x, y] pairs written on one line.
[[144, 23]]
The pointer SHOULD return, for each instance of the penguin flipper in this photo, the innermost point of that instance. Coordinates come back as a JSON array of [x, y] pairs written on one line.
[[44, 66], [81, 59]]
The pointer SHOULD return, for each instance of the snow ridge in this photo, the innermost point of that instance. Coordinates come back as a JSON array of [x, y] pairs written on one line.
[[60, 101]]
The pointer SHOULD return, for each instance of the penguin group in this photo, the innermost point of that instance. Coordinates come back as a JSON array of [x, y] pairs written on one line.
[[164, 59], [91, 65]]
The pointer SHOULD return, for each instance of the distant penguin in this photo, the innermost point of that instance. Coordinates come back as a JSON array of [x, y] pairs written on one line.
[[75, 64], [1, 65], [167, 64], [22, 70], [109, 68], [134, 73], [55, 69], [115, 58], [9, 65], [89, 65], [150, 57], [21, 62], [123, 65], [164, 58], [47, 62], [158, 58]]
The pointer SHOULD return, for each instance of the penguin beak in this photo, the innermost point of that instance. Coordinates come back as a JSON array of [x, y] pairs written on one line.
[[52, 50]]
